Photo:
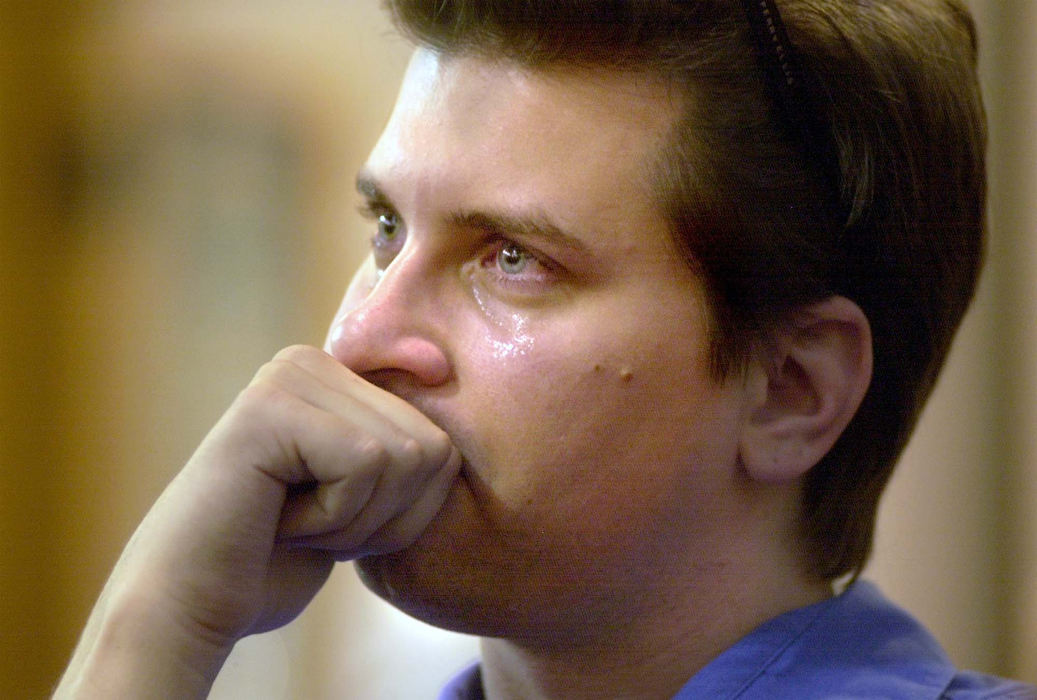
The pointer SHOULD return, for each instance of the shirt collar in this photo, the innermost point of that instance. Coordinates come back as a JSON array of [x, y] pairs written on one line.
[[855, 644]]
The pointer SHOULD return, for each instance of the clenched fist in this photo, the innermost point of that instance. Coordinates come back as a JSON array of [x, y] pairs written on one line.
[[310, 464]]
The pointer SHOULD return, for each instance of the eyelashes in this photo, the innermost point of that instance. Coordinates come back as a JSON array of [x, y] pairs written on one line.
[[517, 268], [389, 235], [500, 261]]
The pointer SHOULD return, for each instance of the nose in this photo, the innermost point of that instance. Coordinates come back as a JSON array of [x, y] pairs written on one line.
[[389, 329]]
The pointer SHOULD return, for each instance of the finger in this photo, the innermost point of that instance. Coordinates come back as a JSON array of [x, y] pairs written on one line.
[[374, 487], [368, 490], [344, 401], [389, 525], [341, 381], [396, 491], [386, 417], [366, 469], [404, 529], [324, 507], [274, 430]]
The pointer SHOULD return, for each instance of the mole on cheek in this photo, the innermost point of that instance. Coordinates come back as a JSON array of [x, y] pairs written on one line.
[[624, 373]]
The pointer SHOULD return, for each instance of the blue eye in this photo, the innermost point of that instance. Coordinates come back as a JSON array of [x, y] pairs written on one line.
[[512, 259], [389, 236], [388, 226]]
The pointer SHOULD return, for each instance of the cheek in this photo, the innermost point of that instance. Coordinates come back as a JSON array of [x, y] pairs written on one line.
[[604, 463], [599, 417]]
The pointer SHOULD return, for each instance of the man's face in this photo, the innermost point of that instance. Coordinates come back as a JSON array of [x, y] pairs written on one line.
[[524, 293]]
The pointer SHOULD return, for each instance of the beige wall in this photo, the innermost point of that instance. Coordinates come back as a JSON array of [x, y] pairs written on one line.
[[957, 538], [177, 204]]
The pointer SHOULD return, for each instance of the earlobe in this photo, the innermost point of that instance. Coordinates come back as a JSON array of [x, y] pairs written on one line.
[[804, 389]]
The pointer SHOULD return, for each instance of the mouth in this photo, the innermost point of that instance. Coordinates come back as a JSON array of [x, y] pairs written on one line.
[[468, 475], [459, 437]]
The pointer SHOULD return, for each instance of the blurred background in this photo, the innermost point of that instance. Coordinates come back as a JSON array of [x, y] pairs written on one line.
[[176, 204]]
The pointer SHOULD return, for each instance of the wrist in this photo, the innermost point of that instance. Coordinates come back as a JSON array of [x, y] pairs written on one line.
[[140, 648]]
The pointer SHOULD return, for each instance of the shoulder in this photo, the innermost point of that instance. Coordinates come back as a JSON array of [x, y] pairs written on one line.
[[969, 685], [857, 644]]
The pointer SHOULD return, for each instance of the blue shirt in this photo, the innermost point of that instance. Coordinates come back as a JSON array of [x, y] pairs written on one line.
[[854, 645]]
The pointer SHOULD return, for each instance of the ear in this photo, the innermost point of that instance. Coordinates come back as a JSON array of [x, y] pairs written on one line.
[[804, 388]]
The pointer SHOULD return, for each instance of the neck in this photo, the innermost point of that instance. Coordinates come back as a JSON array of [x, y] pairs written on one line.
[[653, 653]]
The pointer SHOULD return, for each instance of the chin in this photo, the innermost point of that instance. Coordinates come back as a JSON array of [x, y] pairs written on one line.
[[452, 591], [477, 570], [462, 574], [391, 578], [443, 578]]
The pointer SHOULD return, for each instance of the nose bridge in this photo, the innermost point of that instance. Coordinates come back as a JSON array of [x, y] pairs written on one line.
[[392, 326]]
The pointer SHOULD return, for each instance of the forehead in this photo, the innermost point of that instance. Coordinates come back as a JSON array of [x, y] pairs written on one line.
[[576, 142]]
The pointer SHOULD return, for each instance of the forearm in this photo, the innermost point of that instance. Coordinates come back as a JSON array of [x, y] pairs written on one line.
[[131, 648], [310, 465]]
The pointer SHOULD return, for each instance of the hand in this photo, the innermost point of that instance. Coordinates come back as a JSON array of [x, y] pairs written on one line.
[[311, 464]]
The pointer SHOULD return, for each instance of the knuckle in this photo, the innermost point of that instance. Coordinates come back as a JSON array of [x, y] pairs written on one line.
[[259, 395], [295, 354], [411, 455], [273, 373], [264, 400], [287, 368], [371, 453], [439, 449]]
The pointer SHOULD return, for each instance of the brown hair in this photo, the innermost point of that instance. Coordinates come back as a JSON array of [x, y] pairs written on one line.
[[896, 224]]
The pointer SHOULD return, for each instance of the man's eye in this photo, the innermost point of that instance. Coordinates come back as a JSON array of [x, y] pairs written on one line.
[[388, 226], [516, 269], [388, 238], [512, 259]]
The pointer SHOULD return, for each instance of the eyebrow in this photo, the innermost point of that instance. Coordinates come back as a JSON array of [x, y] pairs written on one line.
[[368, 187], [521, 226], [537, 225]]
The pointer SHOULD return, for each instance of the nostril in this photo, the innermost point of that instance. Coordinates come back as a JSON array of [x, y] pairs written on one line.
[[391, 328], [422, 358], [374, 345]]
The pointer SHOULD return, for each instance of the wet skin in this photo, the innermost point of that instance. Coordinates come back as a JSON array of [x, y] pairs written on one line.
[[524, 293]]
